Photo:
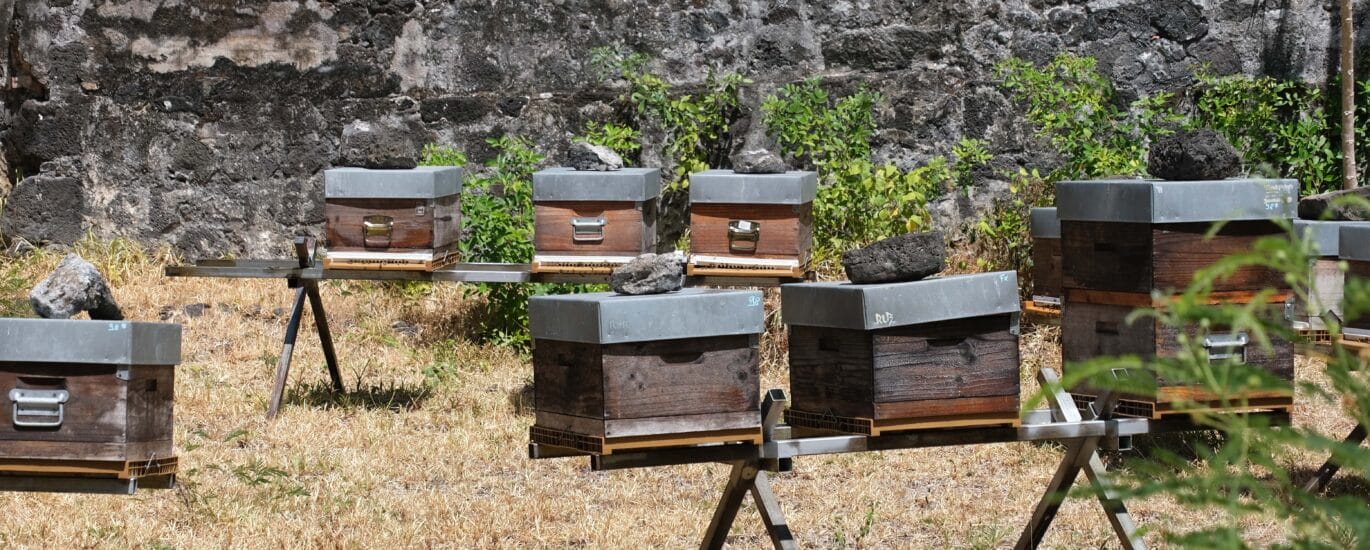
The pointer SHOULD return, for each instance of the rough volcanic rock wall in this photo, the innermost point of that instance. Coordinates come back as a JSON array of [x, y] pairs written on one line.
[[206, 123]]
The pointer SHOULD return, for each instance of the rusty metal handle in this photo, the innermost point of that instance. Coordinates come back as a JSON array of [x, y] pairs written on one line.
[[377, 231], [743, 235]]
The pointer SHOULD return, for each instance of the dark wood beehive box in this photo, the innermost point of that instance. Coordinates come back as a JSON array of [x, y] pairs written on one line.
[[1136, 236], [591, 222], [89, 400], [1045, 228], [392, 219], [1092, 330], [751, 224], [614, 372], [1354, 248], [873, 359], [1324, 273], [1125, 241]]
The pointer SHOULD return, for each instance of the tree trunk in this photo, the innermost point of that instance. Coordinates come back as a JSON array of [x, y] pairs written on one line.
[[1348, 97]]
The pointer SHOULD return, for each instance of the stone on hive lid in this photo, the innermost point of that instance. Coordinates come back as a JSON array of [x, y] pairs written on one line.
[[907, 257], [758, 161], [383, 144], [649, 274], [1332, 206], [1202, 154], [586, 156]]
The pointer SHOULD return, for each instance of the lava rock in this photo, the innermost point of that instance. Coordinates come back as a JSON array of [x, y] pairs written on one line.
[[1202, 154], [595, 158], [907, 257], [1322, 206], [649, 274], [380, 145], [75, 286], [758, 161]]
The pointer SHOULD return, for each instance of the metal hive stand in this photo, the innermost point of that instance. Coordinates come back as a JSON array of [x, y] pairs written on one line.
[[304, 273], [1062, 422]]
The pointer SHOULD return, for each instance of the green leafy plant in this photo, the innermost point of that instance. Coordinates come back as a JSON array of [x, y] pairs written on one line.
[[818, 131], [1250, 472], [1074, 107], [696, 124], [442, 155], [1002, 239], [623, 140]]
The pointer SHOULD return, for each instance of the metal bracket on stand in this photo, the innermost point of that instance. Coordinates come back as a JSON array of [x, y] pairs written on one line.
[[307, 288], [1081, 454], [749, 476], [1328, 470]]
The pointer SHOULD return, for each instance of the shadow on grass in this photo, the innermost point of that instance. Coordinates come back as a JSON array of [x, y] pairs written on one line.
[[396, 398], [522, 399], [1346, 484]]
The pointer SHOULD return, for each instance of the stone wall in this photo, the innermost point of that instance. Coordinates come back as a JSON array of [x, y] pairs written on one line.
[[206, 123]]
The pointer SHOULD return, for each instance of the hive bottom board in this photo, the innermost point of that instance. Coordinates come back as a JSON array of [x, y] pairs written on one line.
[[727, 266], [119, 469], [390, 261], [939, 416], [588, 265], [605, 446], [1167, 404]]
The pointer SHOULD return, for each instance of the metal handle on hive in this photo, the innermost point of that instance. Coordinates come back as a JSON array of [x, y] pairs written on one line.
[[377, 231], [45, 404]]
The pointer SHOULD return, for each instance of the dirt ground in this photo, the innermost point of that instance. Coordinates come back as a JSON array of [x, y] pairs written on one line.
[[429, 447]]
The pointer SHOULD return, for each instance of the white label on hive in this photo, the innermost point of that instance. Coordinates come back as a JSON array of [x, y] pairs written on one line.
[[419, 210], [753, 301], [744, 225], [884, 319]]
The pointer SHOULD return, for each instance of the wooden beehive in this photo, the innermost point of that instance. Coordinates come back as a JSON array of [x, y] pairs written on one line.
[[1354, 249], [614, 372], [392, 219], [1045, 228], [751, 224], [1324, 273], [1139, 236], [881, 358], [88, 399], [592, 222], [1093, 328]]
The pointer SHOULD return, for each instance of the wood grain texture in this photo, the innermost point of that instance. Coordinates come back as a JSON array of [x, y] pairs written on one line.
[[1140, 257], [857, 373], [646, 427], [786, 229], [682, 377], [1046, 267], [568, 378], [1359, 270], [104, 418], [928, 408], [1089, 331], [438, 227], [630, 228]]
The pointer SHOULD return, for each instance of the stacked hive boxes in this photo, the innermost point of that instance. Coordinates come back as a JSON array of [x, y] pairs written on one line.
[[1130, 244], [1324, 273], [1045, 228]]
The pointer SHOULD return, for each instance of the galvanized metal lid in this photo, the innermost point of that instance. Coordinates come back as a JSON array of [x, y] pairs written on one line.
[[569, 184], [1044, 224], [424, 182], [89, 342], [1324, 234], [610, 318], [869, 307], [726, 186], [1355, 242], [1155, 201]]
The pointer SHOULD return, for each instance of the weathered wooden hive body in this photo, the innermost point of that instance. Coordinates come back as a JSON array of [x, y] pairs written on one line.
[[392, 219], [1324, 273], [879, 358], [614, 372], [1129, 244], [751, 224], [591, 222], [89, 399], [1045, 228], [1354, 248]]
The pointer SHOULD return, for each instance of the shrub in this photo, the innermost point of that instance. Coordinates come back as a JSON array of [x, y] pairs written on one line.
[[818, 132]]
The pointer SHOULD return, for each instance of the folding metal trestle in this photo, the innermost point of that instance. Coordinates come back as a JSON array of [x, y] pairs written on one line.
[[304, 251], [1329, 469], [1083, 437]]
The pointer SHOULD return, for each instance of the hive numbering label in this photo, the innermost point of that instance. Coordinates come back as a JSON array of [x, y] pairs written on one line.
[[884, 319]]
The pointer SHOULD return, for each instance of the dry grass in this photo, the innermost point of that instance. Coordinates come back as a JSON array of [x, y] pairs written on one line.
[[429, 449]]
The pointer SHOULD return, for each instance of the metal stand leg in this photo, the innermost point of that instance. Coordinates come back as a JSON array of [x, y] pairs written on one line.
[[771, 514], [330, 357], [740, 482], [1325, 474], [292, 330], [1081, 454]]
